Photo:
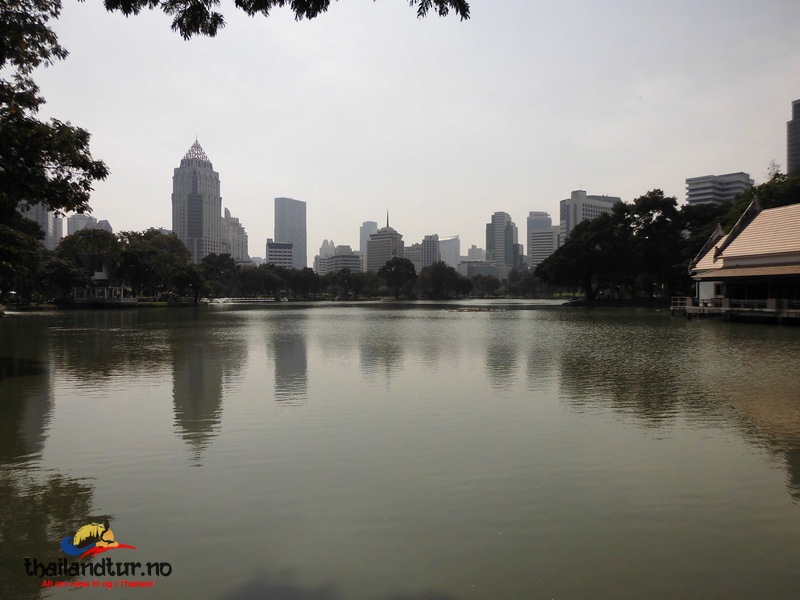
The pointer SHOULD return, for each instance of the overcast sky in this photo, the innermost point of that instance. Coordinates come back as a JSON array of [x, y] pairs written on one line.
[[439, 121]]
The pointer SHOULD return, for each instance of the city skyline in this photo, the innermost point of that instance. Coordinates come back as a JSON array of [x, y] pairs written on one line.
[[508, 118]]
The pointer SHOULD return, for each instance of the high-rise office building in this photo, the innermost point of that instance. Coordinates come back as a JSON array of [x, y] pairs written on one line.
[[501, 242], [450, 251], [382, 246], [197, 205], [580, 207], [77, 222], [430, 250], [236, 238], [279, 254], [50, 224], [367, 229], [290, 227], [716, 189], [793, 141], [542, 238]]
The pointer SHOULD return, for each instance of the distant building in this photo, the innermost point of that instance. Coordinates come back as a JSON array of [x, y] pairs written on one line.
[[235, 238], [414, 254], [543, 238], [343, 257], [290, 227], [197, 205], [580, 207], [450, 251], [475, 253], [430, 250], [105, 226], [50, 224], [473, 268], [367, 229], [77, 222], [279, 254], [793, 141], [501, 242], [382, 246], [716, 189]]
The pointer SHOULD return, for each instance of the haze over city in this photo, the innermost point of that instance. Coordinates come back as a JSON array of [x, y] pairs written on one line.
[[441, 122]]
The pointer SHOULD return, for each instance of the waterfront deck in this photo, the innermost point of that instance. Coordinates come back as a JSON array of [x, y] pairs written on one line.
[[737, 309]]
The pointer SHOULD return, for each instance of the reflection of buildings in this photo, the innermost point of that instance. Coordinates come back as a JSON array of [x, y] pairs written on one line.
[[203, 364], [26, 390], [288, 341], [382, 352]]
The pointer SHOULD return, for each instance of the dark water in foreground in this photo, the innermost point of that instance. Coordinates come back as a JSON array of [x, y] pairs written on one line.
[[383, 452]]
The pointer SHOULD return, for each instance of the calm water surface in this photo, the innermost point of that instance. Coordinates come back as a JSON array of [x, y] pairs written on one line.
[[385, 452]]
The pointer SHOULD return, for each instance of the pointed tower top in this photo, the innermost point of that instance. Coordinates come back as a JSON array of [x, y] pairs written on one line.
[[196, 151], [387, 218]]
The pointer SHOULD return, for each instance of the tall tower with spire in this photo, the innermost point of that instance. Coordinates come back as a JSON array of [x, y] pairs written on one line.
[[197, 205]]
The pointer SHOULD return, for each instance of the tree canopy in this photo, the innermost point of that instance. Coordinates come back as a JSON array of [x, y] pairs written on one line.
[[199, 17]]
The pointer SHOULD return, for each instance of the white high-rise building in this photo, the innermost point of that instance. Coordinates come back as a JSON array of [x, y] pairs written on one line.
[[543, 238], [430, 250], [290, 227], [414, 254], [717, 189], [197, 205], [383, 245], [580, 207], [279, 254], [236, 238], [450, 251]]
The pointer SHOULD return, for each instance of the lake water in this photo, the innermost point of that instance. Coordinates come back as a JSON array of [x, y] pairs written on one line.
[[404, 452]]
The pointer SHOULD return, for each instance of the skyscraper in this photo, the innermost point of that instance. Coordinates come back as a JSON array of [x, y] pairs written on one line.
[[290, 227], [430, 250], [716, 189], [542, 238], [235, 238], [450, 251], [197, 205], [383, 245], [367, 229], [501, 242], [580, 206], [793, 141]]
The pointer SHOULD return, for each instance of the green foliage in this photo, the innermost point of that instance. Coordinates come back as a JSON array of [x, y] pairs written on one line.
[[40, 162], [90, 241], [150, 259], [198, 17], [397, 272], [440, 281], [780, 190]]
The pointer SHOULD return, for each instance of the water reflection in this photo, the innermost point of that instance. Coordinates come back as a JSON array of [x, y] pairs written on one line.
[[26, 390], [501, 356], [380, 344], [206, 358], [284, 587], [290, 354]]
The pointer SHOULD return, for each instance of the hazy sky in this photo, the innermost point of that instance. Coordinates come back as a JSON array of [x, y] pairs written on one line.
[[441, 122]]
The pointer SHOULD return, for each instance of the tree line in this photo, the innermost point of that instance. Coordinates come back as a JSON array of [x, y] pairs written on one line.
[[643, 249]]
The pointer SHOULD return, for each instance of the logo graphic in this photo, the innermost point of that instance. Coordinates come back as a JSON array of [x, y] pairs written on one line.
[[91, 539]]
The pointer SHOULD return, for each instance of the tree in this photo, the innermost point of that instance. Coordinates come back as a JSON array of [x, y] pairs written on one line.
[[150, 259], [397, 272], [90, 241], [197, 17], [40, 162], [596, 255], [439, 281], [219, 274], [657, 241]]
